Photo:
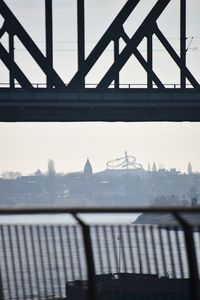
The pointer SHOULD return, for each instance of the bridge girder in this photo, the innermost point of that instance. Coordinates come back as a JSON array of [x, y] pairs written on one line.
[[105, 105]]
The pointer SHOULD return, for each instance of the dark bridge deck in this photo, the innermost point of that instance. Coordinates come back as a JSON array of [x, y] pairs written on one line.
[[39, 104]]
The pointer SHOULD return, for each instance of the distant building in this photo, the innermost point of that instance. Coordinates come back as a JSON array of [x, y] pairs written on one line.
[[88, 168], [173, 171]]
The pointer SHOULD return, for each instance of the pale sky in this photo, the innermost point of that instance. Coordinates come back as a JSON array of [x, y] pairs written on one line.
[[27, 147]]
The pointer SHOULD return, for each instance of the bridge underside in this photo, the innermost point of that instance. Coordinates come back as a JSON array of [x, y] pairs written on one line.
[[43, 105]]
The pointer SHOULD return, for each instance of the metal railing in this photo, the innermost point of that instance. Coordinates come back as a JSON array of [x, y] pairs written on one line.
[[94, 85], [95, 261]]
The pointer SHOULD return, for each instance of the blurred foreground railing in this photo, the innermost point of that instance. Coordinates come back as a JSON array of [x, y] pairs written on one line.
[[100, 261]]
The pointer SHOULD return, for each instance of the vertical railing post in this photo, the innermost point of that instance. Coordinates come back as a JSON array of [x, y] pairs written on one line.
[[89, 258], [149, 60], [81, 40], [191, 256], [1, 288], [11, 52], [183, 41], [49, 37]]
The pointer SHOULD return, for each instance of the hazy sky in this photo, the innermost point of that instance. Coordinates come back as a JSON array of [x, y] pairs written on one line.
[[27, 147]]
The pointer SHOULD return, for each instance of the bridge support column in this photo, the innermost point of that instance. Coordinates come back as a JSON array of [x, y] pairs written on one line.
[[116, 56], [183, 41], [11, 52], [49, 38], [149, 60], [81, 41]]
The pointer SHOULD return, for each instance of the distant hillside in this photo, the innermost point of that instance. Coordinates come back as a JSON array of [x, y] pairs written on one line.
[[166, 219], [125, 187]]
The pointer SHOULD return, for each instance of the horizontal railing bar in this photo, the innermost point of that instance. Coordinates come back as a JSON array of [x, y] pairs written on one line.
[[84, 210], [88, 85]]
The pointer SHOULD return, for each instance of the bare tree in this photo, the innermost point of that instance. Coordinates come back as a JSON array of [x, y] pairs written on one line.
[[51, 168], [189, 168], [38, 173], [11, 175], [154, 168]]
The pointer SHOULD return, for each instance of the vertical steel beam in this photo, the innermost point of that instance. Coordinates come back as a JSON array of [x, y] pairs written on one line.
[[116, 55], [49, 37], [149, 60], [183, 40], [11, 52], [81, 40]]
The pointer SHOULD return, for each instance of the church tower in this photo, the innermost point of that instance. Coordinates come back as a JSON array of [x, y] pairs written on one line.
[[88, 168]]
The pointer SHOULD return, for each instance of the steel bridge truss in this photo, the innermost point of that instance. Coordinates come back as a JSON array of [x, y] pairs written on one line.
[[21, 100], [147, 30]]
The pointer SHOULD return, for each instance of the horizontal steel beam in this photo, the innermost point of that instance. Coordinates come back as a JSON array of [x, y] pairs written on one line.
[[99, 105]]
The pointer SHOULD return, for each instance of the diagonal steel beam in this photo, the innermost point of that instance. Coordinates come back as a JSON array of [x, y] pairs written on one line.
[[150, 72], [145, 28], [109, 35], [3, 29], [176, 58], [9, 63], [13, 26], [152, 75]]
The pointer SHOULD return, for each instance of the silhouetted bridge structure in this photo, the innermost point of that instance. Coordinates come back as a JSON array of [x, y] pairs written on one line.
[[108, 101]]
